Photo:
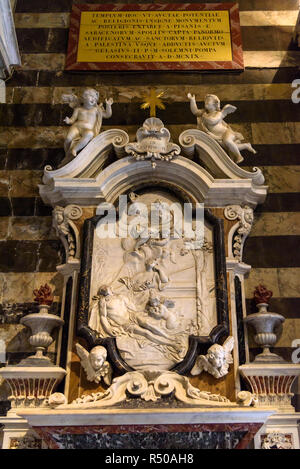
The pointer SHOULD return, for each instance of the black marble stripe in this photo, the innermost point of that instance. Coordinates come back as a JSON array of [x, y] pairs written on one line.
[[48, 6], [296, 402], [37, 114], [273, 155], [239, 320], [30, 256], [255, 38], [11, 313], [23, 78], [288, 307], [4, 408], [26, 115], [45, 6], [42, 40], [13, 358], [272, 251], [52, 78], [38, 158], [23, 207], [65, 328], [284, 352], [280, 202], [30, 158]]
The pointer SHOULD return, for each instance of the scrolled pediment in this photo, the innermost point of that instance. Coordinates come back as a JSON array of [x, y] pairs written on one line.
[[92, 158], [213, 178], [209, 152]]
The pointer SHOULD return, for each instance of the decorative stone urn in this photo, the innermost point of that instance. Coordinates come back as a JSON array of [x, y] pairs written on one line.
[[269, 377], [42, 323], [265, 323], [35, 378]]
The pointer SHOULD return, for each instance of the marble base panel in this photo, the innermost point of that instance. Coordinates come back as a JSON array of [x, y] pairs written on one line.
[[16, 434], [190, 428], [284, 425], [209, 436]]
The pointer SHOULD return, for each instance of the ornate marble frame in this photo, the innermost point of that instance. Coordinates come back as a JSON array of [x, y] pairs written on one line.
[[197, 344]]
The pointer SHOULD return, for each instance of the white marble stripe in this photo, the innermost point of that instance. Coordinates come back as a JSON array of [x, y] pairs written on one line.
[[284, 282], [279, 223], [290, 331], [40, 228], [35, 228], [269, 18], [247, 18], [42, 20], [172, 93], [23, 183], [18, 286], [43, 137], [271, 59], [275, 132]]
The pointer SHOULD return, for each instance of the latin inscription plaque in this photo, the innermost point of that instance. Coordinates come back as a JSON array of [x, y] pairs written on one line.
[[155, 37]]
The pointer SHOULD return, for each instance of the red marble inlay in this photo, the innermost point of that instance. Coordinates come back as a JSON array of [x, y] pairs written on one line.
[[47, 433], [236, 41]]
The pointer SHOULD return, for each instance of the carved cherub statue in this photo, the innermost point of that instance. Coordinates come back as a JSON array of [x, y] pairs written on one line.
[[95, 364], [211, 121], [217, 360], [86, 120]]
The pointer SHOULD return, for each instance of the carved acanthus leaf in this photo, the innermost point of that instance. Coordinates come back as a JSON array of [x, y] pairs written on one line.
[[66, 229], [244, 215], [153, 385]]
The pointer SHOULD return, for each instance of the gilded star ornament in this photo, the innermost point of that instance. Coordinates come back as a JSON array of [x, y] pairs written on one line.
[[153, 100]]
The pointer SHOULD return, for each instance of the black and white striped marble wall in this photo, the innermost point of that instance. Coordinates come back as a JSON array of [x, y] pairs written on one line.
[[32, 132]]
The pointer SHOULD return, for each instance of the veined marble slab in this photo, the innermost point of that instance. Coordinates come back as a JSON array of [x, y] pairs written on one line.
[[194, 415]]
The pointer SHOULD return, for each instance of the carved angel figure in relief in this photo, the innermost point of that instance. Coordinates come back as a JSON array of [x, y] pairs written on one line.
[[95, 364], [86, 120], [211, 121], [216, 361]]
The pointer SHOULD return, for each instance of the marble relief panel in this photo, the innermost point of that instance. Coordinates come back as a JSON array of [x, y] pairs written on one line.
[[151, 294]]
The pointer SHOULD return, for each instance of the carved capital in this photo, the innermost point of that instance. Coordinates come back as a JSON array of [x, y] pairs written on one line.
[[244, 217], [67, 231]]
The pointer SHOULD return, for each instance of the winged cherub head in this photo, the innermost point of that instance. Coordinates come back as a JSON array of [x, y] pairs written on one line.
[[98, 356], [216, 356]]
